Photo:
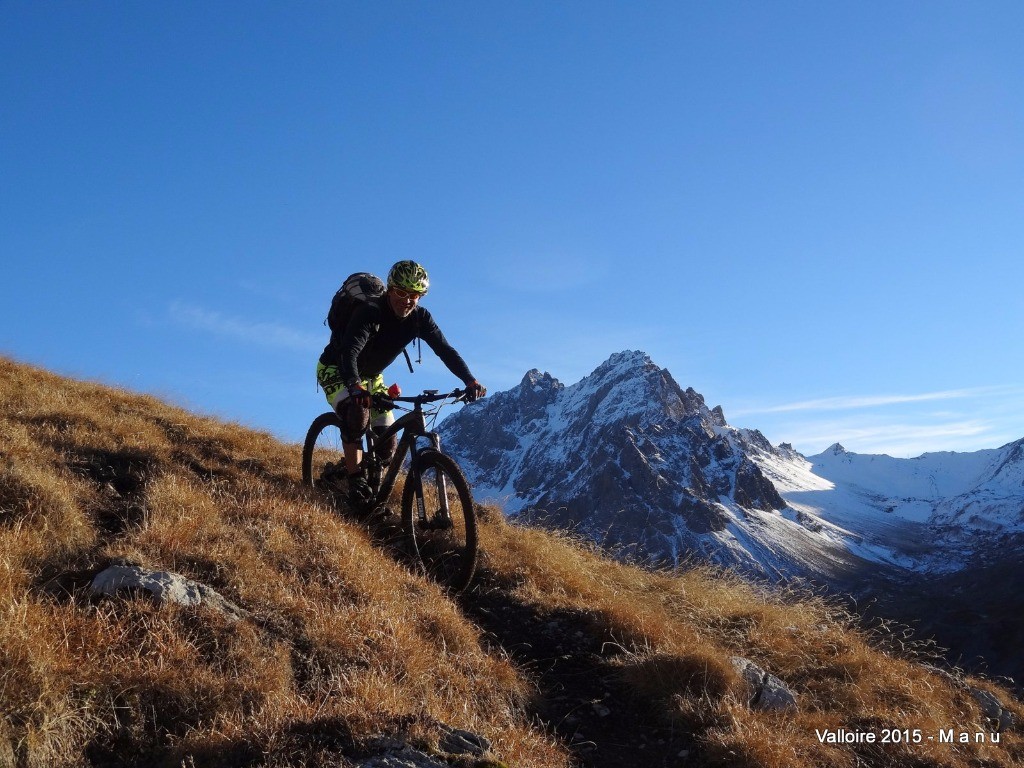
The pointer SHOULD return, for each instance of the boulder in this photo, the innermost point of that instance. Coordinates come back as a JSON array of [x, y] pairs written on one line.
[[993, 708], [393, 753], [767, 692], [459, 742], [165, 587], [387, 752]]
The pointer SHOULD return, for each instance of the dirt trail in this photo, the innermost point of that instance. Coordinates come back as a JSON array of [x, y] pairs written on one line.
[[579, 697]]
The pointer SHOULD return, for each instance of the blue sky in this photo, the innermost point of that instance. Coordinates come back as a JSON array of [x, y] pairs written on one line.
[[812, 213]]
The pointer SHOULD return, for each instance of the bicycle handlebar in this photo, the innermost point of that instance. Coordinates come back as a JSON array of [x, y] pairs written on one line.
[[385, 403]]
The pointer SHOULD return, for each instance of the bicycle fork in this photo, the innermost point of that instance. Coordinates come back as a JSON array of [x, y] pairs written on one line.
[[442, 517]]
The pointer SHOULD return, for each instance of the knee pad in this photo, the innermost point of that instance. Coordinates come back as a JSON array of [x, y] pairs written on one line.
[[354, 421], [387, 449]]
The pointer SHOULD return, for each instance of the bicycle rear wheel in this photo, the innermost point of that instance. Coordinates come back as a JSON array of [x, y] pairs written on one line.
[[438, 519], [323, 457]]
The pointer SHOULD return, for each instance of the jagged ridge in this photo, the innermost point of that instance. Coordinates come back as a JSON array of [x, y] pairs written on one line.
[[631, 459]]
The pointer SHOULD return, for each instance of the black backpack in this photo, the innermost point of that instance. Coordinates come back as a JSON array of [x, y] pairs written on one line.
[[357, 289]]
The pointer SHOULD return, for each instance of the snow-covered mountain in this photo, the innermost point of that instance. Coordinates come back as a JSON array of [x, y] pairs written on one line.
[[928, 513], [629, 458]]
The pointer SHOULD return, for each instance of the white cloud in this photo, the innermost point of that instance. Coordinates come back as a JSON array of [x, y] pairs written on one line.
[[253, 332], [896, 438], [899, 425], [846, 403]]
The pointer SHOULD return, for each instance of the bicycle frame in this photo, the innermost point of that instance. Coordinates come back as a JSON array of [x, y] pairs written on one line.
[[412, 426]]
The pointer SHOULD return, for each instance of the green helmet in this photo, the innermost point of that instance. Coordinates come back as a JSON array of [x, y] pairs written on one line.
[[409, 276]]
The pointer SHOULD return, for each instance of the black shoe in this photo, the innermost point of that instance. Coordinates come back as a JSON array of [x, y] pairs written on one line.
[[359, 492], [333, 478]]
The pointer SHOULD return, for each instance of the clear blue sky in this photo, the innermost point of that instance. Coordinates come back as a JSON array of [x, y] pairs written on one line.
[[812, 213]]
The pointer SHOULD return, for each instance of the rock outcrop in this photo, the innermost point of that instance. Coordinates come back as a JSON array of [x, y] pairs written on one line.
[[766, 691], [164, 587]]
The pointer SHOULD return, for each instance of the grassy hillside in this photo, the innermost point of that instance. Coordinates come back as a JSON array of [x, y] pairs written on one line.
[[558, 656]]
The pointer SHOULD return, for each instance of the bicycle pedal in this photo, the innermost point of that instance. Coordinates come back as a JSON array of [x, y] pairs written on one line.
[[383, 514]]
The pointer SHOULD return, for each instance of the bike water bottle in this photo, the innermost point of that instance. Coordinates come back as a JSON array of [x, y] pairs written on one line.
[[394, 391]]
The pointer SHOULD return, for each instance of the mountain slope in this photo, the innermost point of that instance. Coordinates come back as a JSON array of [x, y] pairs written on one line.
[[559, 656], [930, 513]]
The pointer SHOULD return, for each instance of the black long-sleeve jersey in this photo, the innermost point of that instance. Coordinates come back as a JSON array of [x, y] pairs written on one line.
[[375, 336]]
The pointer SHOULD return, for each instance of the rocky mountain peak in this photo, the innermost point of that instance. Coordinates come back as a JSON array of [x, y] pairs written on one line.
[[631, 381], [534, 379], [787, 451], [633, 359], [718, 416]]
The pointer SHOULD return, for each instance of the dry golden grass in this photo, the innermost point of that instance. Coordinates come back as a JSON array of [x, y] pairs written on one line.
[[344, 642], [677, 632]]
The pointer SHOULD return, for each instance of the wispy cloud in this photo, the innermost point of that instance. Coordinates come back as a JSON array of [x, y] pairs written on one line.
[[249, 331], [899, 425], [846, 403], [896, 438]]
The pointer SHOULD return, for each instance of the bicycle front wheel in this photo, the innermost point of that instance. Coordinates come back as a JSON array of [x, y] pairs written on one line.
[[323, 457], [438, 519]]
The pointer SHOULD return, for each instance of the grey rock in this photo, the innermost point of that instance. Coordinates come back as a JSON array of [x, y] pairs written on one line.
[[165, 587], [766, 691], [993, 708], [753, 489], [718, 415], [402, 756], [388, 752], [459, 742]]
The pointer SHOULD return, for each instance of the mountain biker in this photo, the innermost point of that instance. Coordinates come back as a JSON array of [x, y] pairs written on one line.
[[351, 367]]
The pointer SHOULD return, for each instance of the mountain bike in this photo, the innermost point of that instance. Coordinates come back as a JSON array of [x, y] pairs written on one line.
[[438, 520]]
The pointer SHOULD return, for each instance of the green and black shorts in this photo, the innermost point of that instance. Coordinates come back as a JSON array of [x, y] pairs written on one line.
[[336, 392]]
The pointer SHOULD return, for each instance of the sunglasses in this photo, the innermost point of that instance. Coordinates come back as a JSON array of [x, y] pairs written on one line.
[[403, 294]]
